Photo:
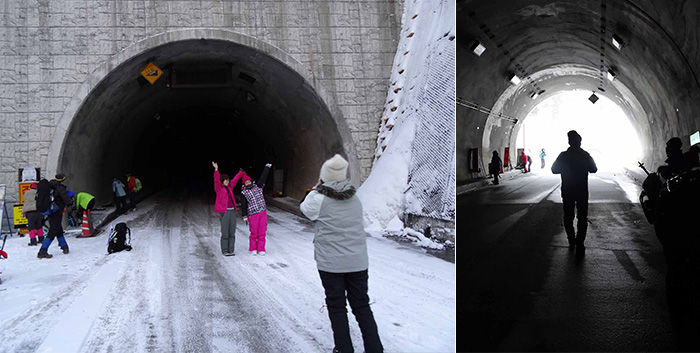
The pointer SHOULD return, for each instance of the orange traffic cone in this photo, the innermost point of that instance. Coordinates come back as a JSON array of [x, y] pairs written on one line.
[[87, 231]]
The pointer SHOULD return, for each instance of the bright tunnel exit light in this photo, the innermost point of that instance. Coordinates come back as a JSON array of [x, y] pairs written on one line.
[[608, 134]]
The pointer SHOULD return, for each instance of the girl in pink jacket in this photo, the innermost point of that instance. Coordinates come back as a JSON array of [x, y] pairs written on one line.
[[226, 206]]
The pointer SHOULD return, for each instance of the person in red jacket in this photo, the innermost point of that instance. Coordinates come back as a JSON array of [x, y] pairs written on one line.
[[225, 206], [523, 159], [131, 185]]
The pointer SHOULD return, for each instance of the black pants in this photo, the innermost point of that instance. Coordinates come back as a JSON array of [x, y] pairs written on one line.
[[495, 178], [581, 205], [121, 204], [355, 284], [132, 200]]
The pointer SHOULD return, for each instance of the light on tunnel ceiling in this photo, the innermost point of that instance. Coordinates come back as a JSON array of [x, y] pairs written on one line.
[[534, 95], [156, 116], [514, 79], [593, 98], [617, 42], [477, 48], [250, 97], [611, 75]]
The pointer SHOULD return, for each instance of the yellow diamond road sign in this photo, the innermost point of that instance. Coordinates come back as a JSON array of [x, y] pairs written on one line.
[[151, 72]]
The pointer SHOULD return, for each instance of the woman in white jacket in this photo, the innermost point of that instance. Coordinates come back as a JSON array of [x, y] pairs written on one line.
[[340, 250]]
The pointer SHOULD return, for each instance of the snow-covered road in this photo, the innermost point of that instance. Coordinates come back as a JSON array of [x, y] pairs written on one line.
[[176, 293]]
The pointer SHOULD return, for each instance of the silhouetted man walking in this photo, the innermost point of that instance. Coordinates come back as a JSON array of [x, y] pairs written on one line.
[[574, 164]]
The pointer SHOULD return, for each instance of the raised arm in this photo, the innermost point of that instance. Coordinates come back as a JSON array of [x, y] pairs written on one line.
[[237, 177], [217, 179], [263, 176]]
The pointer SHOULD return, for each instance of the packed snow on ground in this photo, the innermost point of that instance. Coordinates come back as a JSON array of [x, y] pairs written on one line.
[[175, 292]]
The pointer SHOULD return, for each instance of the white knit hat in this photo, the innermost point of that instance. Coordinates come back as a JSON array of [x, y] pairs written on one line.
[[334, 169]]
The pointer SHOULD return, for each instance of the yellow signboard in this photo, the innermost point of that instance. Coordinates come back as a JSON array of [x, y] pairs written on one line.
[[19, 217], [151, 72], [22, 188]]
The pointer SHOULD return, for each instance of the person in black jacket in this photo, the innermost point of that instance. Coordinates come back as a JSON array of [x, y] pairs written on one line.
[[61, 199], [574, 164], [495, 167]]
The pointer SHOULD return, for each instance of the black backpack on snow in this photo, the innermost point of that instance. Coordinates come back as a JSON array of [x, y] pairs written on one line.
[[44, 198], [117, 240]]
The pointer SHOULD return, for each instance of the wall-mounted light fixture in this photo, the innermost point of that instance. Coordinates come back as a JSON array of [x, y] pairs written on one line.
[[617, 42], [612, 75], [593, 98], [514, 79], [477, 48]]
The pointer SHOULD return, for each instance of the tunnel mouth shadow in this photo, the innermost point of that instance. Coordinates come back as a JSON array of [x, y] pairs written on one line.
[[216, 100]]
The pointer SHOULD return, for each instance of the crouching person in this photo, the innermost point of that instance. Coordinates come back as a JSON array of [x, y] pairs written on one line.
[[340, 250]]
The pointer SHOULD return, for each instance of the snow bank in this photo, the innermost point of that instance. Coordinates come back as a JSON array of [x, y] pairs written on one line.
[[413, 170]]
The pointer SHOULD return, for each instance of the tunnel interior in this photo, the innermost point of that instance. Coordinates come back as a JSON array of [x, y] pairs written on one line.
[[567, 45], [215, 101]]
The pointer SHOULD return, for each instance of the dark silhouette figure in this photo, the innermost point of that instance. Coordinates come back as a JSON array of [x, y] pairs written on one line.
[[676, 162], [495, 167], [693, 156], [674, 215], [574, 164]]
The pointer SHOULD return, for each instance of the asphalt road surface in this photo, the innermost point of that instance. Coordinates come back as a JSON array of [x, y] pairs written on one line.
[[521, 289]]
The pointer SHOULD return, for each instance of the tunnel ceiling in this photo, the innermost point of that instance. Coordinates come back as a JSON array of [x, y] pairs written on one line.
[[265, 113], [565, 45]]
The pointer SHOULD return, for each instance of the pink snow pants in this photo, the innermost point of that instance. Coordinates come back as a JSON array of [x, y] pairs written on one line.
[[258, 227]]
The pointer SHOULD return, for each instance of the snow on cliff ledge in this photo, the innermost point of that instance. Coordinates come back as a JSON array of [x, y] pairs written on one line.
[[406, 176]]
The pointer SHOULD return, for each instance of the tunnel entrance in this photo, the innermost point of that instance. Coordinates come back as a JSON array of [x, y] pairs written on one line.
[[217, 100], [608, 134]]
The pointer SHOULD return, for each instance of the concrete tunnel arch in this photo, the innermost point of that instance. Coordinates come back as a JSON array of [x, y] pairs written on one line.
[[271, 109], [500, 131], [567, 45]]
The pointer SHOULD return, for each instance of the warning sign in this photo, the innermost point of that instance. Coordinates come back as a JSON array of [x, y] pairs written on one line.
[[22, 188], [151, 72], [19, 217]]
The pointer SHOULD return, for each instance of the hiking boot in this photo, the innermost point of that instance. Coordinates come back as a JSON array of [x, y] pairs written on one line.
[[65, 249], [253, 252], [261, 253], [33, 242], [43, 254], [229, 254], [41, 239]]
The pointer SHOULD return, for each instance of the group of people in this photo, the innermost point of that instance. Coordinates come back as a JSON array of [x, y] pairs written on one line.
[[133, 186], [496, 165], [340, 243], [47, 201]]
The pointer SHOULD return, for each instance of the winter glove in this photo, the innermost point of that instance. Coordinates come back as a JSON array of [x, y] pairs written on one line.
[[268, 165], [3, 254]]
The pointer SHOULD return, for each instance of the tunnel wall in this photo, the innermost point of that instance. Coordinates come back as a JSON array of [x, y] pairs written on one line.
[[54, 51]]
